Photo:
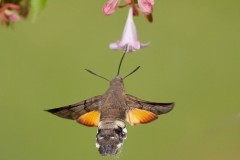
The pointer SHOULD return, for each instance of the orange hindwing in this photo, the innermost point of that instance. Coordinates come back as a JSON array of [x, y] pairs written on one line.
[[138, 116], [90, 119]]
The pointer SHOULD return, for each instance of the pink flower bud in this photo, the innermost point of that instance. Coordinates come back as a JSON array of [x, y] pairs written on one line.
[[110, 7], [146, 6]]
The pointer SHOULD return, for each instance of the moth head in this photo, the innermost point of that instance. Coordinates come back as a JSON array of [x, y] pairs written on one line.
[[109, 141], [117, 82]]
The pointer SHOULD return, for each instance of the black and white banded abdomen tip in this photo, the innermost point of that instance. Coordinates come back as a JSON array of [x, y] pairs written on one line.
[[110, 140]]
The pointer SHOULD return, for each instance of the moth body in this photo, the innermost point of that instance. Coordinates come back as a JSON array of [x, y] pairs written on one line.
[[109, 112]]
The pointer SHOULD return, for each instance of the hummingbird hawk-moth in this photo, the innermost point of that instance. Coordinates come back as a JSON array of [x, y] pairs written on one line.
[[110, 111]]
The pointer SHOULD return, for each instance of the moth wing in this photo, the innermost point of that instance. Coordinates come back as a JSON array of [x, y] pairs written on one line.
[[141, 111], [85, 112]]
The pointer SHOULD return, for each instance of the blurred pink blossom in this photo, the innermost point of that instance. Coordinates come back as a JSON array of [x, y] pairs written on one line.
[[129, 40], [12, 16], [8, 13]]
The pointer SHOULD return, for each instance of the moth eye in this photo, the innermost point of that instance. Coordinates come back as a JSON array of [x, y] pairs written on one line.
[[122, 132], [118, 130]]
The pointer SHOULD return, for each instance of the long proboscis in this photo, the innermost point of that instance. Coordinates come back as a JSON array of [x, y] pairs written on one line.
[[120, 64]]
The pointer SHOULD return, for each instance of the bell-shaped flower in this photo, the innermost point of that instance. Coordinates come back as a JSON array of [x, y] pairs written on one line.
[[129, 41]]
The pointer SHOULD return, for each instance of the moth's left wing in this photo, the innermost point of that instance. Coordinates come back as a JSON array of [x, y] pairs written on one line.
[[85, 112], [141, 111]]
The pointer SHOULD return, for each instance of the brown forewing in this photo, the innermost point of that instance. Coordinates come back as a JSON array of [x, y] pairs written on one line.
[[74, 111], [141, 111]]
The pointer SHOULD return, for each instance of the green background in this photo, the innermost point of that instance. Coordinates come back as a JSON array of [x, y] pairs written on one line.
[[193, 60]]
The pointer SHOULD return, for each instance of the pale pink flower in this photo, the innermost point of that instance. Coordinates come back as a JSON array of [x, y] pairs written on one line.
[[129, 41]]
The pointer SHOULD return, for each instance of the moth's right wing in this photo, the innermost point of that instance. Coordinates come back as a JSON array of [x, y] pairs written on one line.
[[141, 111], [85, 112]]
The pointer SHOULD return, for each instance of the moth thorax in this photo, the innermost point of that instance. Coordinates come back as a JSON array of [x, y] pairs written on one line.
[[110, 137]]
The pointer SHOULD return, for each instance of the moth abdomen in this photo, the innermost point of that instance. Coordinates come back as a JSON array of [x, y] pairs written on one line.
[[110, 137]]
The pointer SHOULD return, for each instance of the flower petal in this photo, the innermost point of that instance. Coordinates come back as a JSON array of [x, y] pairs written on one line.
[[146, 6], [128, 1], [115, 46], [110, 7], [12, 16], [144, 45], [136, 46], [12, 6]]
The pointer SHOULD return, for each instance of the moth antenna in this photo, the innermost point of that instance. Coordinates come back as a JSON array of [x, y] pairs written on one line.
[[132, 72], [97, 75], [120, 64]]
